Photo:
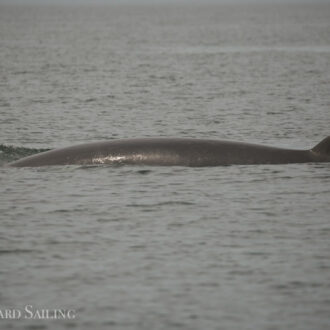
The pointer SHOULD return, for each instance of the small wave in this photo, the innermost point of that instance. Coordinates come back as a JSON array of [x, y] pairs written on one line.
[[144, 171], [161, 204], [11, 153], [16, 251]]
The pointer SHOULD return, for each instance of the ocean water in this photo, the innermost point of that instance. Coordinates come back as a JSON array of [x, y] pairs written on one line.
[[234, 247]]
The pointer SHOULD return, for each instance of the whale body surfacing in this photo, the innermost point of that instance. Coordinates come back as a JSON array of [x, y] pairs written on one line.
[[175, 152]]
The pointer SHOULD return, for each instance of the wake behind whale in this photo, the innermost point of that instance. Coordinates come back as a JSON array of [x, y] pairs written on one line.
[[175, 152]]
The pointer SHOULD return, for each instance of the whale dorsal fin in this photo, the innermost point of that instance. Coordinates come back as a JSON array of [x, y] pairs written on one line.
[[323, 147]]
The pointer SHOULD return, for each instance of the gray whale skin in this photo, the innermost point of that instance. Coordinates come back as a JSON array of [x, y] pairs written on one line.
[[175, 152]]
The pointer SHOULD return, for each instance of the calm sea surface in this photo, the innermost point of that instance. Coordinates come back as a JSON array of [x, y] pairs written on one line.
[[236, 247]]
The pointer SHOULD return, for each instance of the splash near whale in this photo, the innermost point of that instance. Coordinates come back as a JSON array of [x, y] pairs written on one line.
[[175, 152]]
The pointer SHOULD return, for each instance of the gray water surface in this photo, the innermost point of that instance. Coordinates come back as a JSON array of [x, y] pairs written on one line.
[[235, 247]]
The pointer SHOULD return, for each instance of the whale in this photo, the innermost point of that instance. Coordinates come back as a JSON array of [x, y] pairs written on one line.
[[175, 152]]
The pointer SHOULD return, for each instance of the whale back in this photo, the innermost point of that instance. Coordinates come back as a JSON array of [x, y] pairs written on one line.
[[175, 152]]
